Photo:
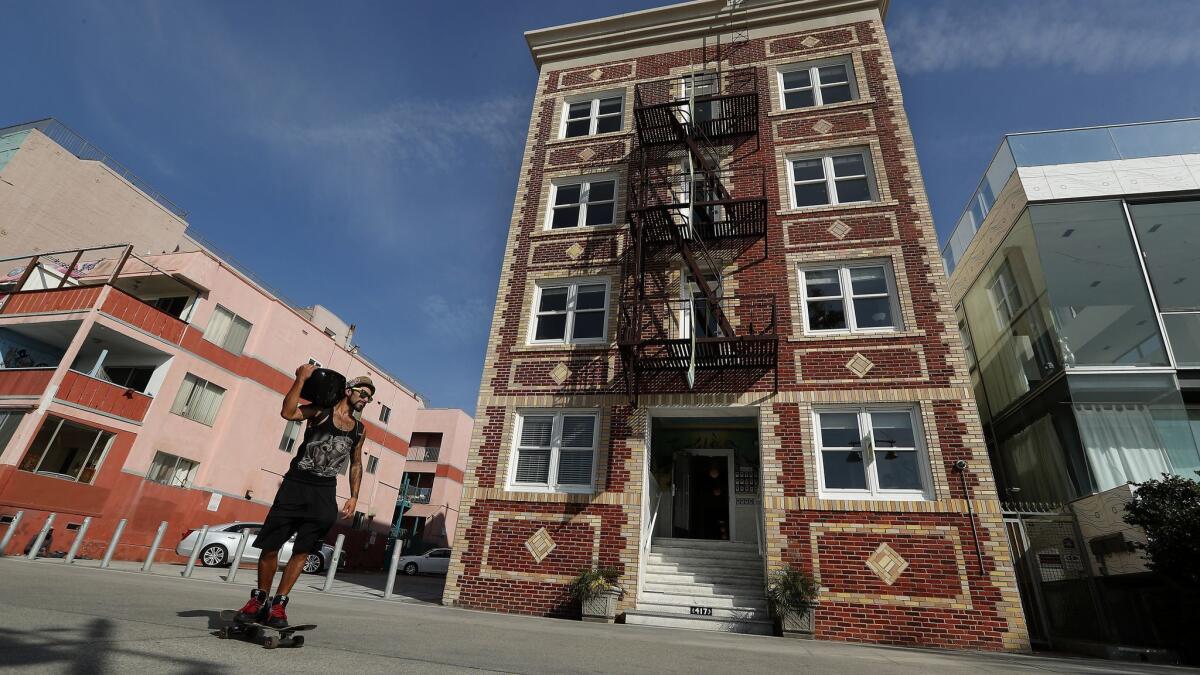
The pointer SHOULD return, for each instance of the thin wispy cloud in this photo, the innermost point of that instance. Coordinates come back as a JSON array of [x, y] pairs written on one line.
[[1093, 37], [458, 320]]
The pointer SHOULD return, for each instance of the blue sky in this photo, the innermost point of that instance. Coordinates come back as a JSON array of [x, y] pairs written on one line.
[[385, 137]]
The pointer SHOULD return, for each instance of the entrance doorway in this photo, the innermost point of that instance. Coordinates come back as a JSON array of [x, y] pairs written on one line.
[[702, 499]]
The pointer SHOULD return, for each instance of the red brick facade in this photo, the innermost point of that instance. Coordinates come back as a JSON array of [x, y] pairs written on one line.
[[943, 597]]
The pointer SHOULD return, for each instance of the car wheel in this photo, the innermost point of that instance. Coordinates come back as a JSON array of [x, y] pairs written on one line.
[[214, 555], [313, 563], [410, 569]]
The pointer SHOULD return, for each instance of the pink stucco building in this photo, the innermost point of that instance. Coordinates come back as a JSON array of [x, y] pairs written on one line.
[[142, 381]]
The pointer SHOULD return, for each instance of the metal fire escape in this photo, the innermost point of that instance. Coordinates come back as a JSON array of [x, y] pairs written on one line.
[[690, 202]]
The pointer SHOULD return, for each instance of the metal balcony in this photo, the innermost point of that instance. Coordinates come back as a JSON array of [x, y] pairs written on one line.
[[711, 106], [728, 204]]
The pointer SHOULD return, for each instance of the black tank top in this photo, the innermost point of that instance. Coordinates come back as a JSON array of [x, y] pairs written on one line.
[[325, 451]]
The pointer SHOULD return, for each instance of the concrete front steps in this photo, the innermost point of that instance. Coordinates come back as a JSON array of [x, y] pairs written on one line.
[[721, 576]]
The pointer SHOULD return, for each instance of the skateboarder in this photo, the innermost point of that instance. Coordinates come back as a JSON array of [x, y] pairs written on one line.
[[305, 505]]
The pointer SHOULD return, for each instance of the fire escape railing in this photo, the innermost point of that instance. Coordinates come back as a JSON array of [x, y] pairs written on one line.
[[682, 200]]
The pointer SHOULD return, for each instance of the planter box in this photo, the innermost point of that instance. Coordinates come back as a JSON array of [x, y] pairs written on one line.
[[603, 607], [798, 624]]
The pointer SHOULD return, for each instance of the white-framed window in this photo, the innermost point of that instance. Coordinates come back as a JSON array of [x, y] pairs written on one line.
[[805, 85], [372, 463], [570, 312], [291, 435], [554, 450], [857, 297], [198, 400], [582, 202], [871, 453], [839, 177], [171, 469], [227, 330], [385, 413], [1005, 295], [593, 114]]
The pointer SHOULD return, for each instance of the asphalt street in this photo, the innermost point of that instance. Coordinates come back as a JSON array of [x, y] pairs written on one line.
[[60, 619]]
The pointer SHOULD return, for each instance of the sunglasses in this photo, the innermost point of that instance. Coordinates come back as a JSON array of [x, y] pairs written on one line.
[[364, 393]]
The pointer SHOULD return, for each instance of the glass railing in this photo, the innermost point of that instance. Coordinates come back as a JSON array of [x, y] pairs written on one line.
[[1069, 146]]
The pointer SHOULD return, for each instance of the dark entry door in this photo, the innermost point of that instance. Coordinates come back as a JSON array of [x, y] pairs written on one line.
[[710, 498]]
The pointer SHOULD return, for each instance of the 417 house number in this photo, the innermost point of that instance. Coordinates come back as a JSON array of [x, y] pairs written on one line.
[[702, 611]]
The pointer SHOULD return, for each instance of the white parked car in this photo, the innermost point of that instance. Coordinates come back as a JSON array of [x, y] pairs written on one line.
[[220, 545], [433, 561]]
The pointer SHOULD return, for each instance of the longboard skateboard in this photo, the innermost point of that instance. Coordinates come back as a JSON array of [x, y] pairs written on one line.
[[253, 631]]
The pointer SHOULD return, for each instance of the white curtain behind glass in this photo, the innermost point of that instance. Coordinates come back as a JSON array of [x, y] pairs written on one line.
[[1036, 459], [1122, 444]]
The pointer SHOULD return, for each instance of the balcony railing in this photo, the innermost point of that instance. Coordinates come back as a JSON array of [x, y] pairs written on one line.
[[707, 105], [418, 495], [728, 204], [24, 382], [417, 453], [104, 396]]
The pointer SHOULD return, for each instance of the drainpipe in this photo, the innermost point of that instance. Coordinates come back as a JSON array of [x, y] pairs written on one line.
[[961, 467]]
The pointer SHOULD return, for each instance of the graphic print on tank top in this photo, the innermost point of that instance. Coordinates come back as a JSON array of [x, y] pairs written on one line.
[[327, 450]]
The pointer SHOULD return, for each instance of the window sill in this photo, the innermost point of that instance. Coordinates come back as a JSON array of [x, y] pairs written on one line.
[[822, 109], [874, 335], [538, 490], [567, 232], [565, 347], [588, 139], [834, 208], [878, 497]]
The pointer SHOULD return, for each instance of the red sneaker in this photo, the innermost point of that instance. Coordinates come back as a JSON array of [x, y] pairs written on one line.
[[277, 617], [250, 611]]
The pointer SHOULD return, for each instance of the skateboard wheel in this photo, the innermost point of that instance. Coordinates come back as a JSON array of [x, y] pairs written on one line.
[[298, 641], [271, 642], [223, 633]]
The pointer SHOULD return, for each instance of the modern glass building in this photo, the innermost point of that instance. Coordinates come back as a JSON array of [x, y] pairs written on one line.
[[1075, 278]]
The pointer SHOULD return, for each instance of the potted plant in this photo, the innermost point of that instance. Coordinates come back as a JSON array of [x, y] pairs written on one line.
[[597, 592], [792, 594]]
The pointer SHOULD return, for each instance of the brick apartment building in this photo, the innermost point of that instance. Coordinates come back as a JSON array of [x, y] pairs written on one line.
[[723, 344], [143, 381]]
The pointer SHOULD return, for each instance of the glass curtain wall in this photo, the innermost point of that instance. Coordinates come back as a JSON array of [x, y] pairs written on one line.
[[1169, 236]]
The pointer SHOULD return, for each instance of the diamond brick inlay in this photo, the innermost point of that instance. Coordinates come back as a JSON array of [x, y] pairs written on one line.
[[839, 229], [860, 365], [540, 545], [887, 564], [560, 373], [810, 42], [822, 127], [574, 251], [596, 74], [586, 154]]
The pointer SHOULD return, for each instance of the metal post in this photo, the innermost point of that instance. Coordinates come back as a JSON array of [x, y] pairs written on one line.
[[333, 562], [79, 535], [162, 529], [391, 580], [196, 551], [37, 543], [12, 529], [112, 546], [237, 557]]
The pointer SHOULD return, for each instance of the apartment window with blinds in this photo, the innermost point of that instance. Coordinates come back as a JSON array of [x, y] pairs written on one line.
[[227, 330], [385, 413], [372, 463], [291, 436], [554, 451], [198, 400], [170, 469]]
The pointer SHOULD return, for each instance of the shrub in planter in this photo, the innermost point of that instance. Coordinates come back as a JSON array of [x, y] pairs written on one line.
[[792, 594], [597, 592]]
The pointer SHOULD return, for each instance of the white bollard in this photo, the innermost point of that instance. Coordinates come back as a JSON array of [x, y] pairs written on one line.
[[162, 529], [196, 551], [79, 535], [333, 562], [37, 543], [12, 529], [237, 557], [112, 545], [391, 580]]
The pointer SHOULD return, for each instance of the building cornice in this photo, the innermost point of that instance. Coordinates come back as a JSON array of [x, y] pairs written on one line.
[[676, 22]]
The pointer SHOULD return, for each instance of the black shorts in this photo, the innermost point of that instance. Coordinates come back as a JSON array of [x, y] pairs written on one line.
[[302, 509]]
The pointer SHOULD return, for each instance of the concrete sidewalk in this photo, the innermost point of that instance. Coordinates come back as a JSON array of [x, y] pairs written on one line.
[[60, 619]]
